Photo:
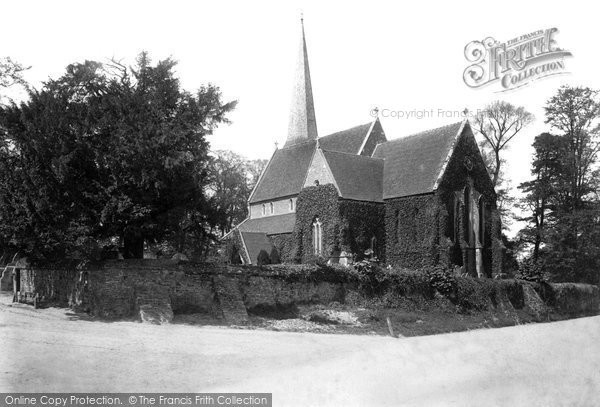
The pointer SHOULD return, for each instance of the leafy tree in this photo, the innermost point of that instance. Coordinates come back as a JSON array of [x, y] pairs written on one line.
[[543, 193], [232, 179], [562, 198], [107, 151], [11, 72], [499, 123]]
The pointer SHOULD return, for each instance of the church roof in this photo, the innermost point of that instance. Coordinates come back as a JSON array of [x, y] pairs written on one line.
[[357, 177], [285, 173], [413, 164], [271, 225], [255, 242], [346, 141]]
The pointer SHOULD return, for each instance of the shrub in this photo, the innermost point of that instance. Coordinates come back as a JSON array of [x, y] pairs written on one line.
[[442, 280], [263, 258], [370, 276], [474, 294], [529, 270], [274, 256]]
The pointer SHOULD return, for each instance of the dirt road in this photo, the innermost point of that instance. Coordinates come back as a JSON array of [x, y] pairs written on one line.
[[533, 365]]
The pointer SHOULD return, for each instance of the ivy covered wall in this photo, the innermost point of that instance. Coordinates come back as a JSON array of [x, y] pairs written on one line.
[[412, 232], [466, 168], [361, 222], [284, 244], [316, 202], [347, 225]]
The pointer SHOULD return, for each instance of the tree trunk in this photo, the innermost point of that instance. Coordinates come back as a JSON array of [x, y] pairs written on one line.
[[497, 169], [133, 244]]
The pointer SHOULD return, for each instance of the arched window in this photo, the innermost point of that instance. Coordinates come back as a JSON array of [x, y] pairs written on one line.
[[272, 208], [317, 237], [291, 205], [264, 209]]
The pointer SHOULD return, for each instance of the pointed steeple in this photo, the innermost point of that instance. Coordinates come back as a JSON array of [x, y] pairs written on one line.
[[303, 124]]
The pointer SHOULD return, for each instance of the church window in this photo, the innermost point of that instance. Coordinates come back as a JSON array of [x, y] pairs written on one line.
[[264, 209], [271, 207], [317, 237], [291, 205]]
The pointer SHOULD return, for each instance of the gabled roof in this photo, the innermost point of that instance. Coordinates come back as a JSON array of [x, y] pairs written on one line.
[[271, 225], [357, 177], [254, 243], [346, 141], [285, 173], [414, 164]]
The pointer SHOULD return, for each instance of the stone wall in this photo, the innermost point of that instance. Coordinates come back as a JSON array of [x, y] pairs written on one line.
[[155, 290]]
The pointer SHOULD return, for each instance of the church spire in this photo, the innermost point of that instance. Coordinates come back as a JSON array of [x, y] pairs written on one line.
[[303, 124]]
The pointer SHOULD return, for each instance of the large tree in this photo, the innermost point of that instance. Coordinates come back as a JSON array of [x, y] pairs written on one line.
[[563, 196], [499, 123], [543, 192], [106, 151]]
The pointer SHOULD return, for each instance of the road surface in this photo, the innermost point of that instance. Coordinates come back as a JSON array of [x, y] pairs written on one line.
[[55, 350]]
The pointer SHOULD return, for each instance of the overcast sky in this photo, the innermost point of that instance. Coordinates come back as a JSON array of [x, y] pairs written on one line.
[[397, 56]]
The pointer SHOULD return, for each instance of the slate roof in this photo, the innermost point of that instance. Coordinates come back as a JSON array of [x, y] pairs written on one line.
[[357, 177], [412, 164], [254, 243], [285, 172], [271, 225], [346, 141]]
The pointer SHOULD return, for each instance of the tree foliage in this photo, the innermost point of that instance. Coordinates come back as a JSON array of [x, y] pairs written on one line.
[[232, 179], [562, 198], [11, 72], [107, 150], [499, 123]]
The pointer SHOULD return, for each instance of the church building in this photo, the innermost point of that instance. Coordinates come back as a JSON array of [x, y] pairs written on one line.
[[414, 201]]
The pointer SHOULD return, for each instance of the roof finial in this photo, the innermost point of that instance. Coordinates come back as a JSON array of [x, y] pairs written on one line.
[[276, 145]]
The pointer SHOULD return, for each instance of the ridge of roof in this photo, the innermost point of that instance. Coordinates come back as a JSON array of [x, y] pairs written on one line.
[[421, 133], [354, 156]]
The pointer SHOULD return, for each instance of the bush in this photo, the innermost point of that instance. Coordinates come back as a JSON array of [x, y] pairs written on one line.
[[370, 276], [474, 294], [530, 270], [274, 256], [442, 280], [263, 258]]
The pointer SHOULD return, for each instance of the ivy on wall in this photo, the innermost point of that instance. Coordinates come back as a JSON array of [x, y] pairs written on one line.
[[412, 231], [316, 202], [284, 245], [456, 177], [361, 222]]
